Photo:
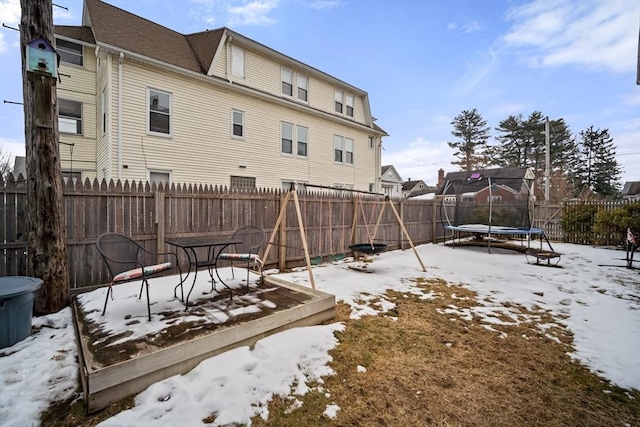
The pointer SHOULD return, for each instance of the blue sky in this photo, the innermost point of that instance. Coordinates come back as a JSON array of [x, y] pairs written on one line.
[[422, 62]]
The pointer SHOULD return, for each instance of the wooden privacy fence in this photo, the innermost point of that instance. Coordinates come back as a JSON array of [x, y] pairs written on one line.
[[151, 215]]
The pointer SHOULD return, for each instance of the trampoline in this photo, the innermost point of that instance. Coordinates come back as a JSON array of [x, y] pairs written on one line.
[[490, 205]]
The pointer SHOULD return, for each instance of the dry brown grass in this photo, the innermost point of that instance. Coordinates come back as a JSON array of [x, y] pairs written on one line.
[[425, 369], [414, 378]]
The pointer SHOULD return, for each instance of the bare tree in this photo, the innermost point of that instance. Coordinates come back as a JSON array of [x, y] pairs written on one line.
[[45, 208], [5, 162]]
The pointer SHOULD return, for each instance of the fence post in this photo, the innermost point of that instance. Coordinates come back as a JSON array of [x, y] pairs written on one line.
[[158, 196], [400, 233], [434, 212], [282, 234]]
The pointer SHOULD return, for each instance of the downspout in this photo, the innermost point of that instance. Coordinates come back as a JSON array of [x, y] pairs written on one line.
[[227, 64], [120, 61]]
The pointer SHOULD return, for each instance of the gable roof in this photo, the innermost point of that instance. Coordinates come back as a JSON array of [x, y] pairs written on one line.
[[83, 34], [119, 28], [631, 188], [473, 181], [390, 168], [411, 184]]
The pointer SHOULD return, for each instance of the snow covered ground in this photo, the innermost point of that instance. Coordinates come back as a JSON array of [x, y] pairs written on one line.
[[599, 304]]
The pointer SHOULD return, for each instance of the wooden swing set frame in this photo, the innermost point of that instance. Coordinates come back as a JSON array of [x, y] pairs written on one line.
[[305, 248]]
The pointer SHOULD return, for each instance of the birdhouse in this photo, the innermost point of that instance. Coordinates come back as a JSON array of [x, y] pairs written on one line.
[[41, 57]]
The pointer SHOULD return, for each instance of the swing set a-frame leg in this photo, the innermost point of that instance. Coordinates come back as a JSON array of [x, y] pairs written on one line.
[[404, 230], [283, 210]]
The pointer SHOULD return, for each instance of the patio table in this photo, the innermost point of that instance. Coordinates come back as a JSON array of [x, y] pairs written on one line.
[[213, 246]]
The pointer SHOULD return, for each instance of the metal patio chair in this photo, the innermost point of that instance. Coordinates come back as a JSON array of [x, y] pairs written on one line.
[[127, 261], [247, 252]]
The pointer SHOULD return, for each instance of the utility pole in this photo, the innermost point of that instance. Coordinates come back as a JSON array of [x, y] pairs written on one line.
[[547, 168], [45, 209]]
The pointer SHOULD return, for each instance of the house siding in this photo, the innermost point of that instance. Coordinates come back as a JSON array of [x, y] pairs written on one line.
[[264, 74], [80, 87], [201, 132]]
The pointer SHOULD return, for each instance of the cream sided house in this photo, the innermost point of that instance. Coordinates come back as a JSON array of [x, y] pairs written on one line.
[[139, 101]]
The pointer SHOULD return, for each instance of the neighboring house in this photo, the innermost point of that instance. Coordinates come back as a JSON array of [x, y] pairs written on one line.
[[391, 181], [631, 190], [500, 185], [139, 101], [415, 188]]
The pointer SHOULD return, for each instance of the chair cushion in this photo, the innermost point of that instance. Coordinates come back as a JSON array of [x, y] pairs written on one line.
[[240, 257], [138, 272]]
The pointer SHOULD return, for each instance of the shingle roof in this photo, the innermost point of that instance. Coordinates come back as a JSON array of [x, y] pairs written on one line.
[[204, 46], [117, 27], [77, 33], [473, 181], [631, 188]]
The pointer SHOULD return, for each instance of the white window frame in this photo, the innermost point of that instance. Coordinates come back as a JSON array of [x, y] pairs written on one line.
[[170, 113], [338, 147], [168, 173], [300, 142], [348, 105], [372, 142], [348, 151], [286, 76], [237, 61], [65, 120], [338, 98], [302, 83], [282, 126], [234, 124], [65, 51]]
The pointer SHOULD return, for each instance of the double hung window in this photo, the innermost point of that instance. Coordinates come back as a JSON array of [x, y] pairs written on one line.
[[237, 118], [70, 116], [286, 136], [349, 102], [348, 149], [303, 87], [303, 140], [338, 101], [338, 142], [287, 82], [159, 112]]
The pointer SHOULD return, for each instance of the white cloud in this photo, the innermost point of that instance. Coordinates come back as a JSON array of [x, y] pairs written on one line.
[[12, 146], [600, 35], [471, 26], [477, 70], [10, 16], [421, 159], [10, 12], [253, 13], [325, 4]]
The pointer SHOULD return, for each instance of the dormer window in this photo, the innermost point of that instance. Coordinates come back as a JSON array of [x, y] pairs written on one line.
[[237, 61], [70, 52], [303, 87], [338, 101], [349, 101], [287, 82]]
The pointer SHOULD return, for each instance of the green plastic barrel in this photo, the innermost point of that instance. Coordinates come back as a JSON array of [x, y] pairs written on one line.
[[16, 308]]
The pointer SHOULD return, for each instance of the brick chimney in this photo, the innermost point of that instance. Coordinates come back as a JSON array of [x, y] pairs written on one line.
[[440, 177]]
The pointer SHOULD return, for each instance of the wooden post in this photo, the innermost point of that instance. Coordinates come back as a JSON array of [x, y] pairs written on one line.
[[401, 213], [45, 208], [434, 212], [282, 236], [354, 221], [393, 208], [160, 232], [304, 239]]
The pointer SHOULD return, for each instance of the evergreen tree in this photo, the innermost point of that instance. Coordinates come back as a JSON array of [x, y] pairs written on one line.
[[595, 165], [472, 134], [522, 142]]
